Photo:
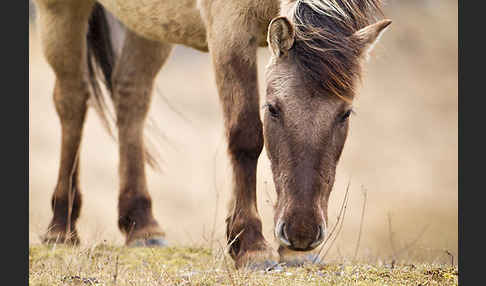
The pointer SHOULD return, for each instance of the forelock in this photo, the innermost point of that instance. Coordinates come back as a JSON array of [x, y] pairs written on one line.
[[324, 52]]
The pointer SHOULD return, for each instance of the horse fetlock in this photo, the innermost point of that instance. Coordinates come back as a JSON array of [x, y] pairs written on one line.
[[66, 210], [139, 225], [136, 219], [61, 232], [249, 249], [244, 235]]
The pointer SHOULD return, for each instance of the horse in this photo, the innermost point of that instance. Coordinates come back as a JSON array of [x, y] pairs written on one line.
[[318, 49]]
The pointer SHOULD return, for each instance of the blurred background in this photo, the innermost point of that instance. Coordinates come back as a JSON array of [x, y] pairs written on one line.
[[401, 150]]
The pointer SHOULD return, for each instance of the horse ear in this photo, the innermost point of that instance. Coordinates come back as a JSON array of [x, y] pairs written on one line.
[[281, 35], [368, 36]]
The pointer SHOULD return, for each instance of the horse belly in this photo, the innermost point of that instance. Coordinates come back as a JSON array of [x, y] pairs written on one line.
[[169, 21]]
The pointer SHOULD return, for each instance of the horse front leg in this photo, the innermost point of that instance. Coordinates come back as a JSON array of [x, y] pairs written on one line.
[[234, 61]]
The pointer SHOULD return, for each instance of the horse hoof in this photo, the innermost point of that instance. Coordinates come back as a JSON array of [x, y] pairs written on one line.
[[294, 258], [51, 239], [298, 261], [266, 265], [149, 242]]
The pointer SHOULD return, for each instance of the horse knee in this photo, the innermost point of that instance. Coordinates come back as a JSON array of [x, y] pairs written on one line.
[[236, 78], [245, 141]]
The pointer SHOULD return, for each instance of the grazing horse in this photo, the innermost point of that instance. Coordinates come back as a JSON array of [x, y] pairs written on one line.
[[318, 48]]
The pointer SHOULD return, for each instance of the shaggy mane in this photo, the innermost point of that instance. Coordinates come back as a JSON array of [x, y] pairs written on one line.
[[323, 49]]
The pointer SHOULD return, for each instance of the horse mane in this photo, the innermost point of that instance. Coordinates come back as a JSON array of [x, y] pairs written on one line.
[[323, 49]]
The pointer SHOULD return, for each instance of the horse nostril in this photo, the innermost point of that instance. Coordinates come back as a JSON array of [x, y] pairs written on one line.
[[281, 233], [319, 237]]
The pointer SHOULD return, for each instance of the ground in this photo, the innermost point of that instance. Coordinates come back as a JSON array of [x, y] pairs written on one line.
[[110, 265]]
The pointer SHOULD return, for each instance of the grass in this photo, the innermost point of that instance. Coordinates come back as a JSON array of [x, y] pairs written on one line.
[[114, 265]]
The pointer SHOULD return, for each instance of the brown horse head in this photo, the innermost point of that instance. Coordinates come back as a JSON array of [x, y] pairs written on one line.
[[317, 54]]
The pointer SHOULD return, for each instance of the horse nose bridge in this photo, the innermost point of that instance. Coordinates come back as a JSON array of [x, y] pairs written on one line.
[[303, 201], [304, 198], [306, 170]]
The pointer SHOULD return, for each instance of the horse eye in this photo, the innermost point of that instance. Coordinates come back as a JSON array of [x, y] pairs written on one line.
[[273, 111], [346, 115]]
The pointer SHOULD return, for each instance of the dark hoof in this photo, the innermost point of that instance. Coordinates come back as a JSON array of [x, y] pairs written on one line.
[[60, 238], [302, 260], [262, 259], [299, 258], [149, 242], [266, 265]]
